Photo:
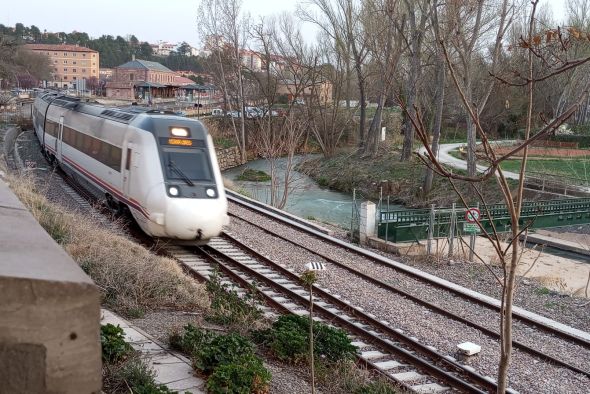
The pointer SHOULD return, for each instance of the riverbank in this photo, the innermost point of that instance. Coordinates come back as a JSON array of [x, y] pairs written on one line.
[[402, 181]]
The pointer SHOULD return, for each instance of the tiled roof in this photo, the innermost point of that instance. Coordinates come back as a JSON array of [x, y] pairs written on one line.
[[145, 65], [58, 48]]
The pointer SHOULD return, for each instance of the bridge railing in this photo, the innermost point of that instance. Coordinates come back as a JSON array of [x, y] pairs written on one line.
[[413, 225]]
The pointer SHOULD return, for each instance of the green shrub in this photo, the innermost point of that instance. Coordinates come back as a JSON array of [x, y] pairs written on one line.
[[224, 349], [112, 340], [291, 340], [245, 375], [191, 340]]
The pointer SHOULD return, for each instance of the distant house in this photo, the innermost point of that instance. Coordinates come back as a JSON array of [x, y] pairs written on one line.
[[71, 65], [142, 79], [321, 90]]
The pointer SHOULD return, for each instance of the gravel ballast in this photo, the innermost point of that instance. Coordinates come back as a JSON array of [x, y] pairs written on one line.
[[527, 374]]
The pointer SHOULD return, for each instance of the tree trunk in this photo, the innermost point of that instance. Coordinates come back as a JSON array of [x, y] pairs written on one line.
[[363, 106], [375, 129], [408, 127], [438, 105]]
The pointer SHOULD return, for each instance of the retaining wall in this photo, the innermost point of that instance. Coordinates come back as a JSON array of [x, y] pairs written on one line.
[[49, 310]]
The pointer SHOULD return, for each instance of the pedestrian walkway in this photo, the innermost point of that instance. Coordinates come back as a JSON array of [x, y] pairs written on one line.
[[172, 369]]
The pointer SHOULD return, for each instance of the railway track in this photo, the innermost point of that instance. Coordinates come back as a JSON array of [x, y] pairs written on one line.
[[526, 320], [393, 353]]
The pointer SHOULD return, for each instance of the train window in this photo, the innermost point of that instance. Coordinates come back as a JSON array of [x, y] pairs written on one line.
[[192, 163], [115, 158], [95, 147], [105, 153]]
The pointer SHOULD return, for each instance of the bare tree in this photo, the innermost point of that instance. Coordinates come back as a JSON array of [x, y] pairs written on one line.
[[440, 32], [341, 20], [418, 16], [383, 25], [554, 62], [473, 21], [224, 28]]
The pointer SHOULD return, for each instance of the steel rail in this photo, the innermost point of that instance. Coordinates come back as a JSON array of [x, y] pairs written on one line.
[[418, 300], [269, 300], [259, 207], [483, 382]]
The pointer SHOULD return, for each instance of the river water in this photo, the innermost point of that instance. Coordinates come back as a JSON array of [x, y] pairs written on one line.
[[306, 198]]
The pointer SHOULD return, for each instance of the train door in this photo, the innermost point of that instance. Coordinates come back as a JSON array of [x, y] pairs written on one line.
[[59, 139], [127, 169]]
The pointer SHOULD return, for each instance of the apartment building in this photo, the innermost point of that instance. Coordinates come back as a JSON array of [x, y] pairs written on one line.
[[71, 65]]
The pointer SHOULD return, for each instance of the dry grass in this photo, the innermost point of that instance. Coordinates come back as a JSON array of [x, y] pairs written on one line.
[[132, 279]]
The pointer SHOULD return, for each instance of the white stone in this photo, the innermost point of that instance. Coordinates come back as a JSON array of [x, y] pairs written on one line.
[[469, 348]]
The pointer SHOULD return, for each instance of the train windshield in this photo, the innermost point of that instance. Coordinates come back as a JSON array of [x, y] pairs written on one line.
[[187, 165]]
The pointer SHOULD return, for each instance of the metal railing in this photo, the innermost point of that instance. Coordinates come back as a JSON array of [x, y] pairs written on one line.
[[414, 225]]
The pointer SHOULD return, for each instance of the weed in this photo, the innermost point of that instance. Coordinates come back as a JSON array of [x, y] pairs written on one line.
[[224, 349], [542, 291], [550, 304], [228, 308], [290, 338], [132, 375], [346, 377], [112, 340], [311, 218], [245, 375], [191, 340]]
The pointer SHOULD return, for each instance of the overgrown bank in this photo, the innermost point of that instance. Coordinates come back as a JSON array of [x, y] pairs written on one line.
[[402, 181]]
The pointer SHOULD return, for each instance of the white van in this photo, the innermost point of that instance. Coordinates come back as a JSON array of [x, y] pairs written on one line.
[[217, 112]]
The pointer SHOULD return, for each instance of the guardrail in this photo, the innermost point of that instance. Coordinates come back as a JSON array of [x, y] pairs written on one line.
[[413, 225]]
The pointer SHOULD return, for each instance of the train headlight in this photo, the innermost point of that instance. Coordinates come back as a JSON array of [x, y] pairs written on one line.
[[210, 192], [173, 190], [179, 132]]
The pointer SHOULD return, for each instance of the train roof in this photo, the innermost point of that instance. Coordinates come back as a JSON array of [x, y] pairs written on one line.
[[118, 114]]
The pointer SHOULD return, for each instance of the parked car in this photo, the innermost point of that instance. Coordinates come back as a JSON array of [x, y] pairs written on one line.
[[217, 112], [253, 112], [234, 114]]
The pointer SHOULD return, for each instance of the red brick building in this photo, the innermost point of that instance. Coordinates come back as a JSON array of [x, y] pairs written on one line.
[[142, 79]]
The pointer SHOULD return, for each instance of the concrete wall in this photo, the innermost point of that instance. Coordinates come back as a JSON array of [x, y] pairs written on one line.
[[49, 311]]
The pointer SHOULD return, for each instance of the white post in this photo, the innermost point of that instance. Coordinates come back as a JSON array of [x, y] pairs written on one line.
[[452, 230], [430, 231], [367, 225], [383, 130]]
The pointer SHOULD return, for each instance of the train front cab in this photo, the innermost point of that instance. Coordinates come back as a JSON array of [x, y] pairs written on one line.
[[192, 203]]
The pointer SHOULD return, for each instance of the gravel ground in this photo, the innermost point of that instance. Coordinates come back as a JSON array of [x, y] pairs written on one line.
[[527, 373]]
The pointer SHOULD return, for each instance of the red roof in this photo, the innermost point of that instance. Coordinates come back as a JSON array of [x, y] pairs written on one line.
[[58, 47]]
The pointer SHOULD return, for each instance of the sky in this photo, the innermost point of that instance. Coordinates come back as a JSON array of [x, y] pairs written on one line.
[[149, 20]]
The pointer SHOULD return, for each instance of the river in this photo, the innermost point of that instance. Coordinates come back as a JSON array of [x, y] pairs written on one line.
[[306, 199]]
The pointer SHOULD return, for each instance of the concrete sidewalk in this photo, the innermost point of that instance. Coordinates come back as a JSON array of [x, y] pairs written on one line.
[[172, 369]]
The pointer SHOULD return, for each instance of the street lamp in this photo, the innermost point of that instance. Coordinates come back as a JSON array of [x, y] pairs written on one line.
[[308, 278]]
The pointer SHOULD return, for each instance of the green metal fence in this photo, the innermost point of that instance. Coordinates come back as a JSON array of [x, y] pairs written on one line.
[[412, 225]]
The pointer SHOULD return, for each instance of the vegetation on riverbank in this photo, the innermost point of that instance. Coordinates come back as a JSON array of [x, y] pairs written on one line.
[[402, 181]]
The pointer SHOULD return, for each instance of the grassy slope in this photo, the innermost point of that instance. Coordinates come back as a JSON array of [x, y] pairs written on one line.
[[575, 168]]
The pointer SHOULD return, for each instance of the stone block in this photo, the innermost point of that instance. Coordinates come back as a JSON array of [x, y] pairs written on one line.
[[50, 309]]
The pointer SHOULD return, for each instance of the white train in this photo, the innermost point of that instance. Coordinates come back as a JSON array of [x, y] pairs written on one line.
[[159, 166]]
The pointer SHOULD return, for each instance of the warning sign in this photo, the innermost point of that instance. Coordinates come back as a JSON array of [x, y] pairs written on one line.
[[472, 215]]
